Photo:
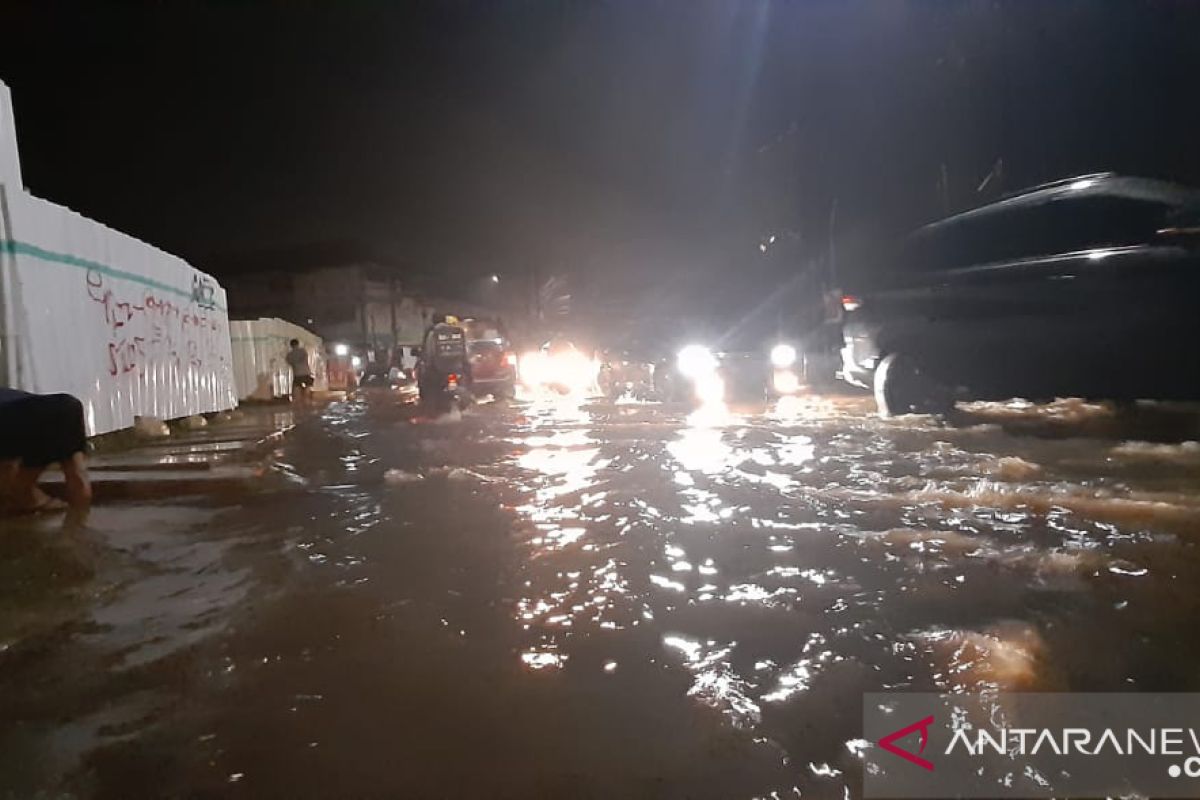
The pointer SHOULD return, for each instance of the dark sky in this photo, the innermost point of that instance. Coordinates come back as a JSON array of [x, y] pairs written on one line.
[[622, 142]]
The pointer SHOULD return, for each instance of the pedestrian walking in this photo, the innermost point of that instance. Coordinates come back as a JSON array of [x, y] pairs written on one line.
[[302, 377]]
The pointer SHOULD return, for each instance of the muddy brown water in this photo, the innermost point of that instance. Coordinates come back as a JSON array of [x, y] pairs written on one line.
[[564, 599]]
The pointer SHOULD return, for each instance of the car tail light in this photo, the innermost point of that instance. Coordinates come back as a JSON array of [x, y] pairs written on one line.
[[452, 381], [851, 303], [511, 359]]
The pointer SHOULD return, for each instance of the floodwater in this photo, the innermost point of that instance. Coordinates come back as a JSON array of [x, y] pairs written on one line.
[[567, 599]]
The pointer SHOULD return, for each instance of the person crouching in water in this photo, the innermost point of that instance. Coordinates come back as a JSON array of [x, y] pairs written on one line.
[[302, 377], [37, 430]]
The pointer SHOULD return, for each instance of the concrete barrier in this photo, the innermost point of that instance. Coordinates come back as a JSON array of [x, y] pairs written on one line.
[[130, 330]]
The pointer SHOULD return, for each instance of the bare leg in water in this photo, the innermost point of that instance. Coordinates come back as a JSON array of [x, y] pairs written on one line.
[[36, 431], [79, 485], [25, 496]]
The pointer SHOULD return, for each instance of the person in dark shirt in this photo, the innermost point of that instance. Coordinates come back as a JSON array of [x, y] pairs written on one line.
[[37, 430], [302, 377]]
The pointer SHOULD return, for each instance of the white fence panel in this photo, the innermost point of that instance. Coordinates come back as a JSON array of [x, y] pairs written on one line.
[[127, 328], [261, 371]]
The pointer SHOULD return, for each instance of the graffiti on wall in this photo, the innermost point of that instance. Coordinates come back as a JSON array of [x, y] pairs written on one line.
[[145, 328], [204, 292]]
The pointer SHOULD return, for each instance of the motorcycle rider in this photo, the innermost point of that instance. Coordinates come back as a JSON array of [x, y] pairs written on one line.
[[443, 354]]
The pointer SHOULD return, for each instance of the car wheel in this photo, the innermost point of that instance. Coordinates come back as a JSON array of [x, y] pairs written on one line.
[[901, 387]]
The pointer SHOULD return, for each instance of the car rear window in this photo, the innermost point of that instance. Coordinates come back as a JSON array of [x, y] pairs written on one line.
[[483, 346]]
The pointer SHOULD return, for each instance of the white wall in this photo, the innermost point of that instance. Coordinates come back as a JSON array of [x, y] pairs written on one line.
[[127, 328], [259, 367], [10, 163]]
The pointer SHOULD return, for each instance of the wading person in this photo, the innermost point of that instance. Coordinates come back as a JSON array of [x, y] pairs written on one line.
[[302, 378], [37, 430]]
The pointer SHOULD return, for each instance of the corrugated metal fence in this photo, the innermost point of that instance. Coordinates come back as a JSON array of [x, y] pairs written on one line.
[[129, 329], [260, 370]]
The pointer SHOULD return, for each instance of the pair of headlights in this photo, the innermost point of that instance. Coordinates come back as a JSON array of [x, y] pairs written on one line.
[[696, 359]]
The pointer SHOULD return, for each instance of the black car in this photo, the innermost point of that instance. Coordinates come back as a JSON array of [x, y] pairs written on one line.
[[492, 367], [772, 369], [1083, 287]]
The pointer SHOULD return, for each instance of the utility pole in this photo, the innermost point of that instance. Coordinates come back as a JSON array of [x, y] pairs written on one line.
[[537, 294], [833, 243], [392, 307]]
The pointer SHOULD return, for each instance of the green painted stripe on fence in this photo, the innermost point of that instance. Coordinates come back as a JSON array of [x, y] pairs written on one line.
[[25, 249]]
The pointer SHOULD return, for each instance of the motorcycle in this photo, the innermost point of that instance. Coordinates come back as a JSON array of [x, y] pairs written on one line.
[[441, 391], [622, 377], [442, 374]]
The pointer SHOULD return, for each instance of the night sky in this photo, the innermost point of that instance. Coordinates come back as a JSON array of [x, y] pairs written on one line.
[[629, 144]]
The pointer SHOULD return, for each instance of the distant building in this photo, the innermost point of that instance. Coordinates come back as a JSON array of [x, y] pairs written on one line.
[[338, 291], [341, 292], [361, 304]]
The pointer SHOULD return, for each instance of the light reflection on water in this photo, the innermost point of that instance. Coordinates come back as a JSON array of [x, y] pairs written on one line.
[[541, 574], [841, 541], [701, 450], [715, 682]]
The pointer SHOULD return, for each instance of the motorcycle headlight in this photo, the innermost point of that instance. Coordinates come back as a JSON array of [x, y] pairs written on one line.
[[696, 360], [783, 356]]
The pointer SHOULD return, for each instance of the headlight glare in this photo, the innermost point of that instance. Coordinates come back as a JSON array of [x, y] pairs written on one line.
[[696, 360], [783, 356]]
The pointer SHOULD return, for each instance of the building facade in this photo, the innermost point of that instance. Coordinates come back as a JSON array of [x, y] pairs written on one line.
[[344, 298], [361, 304]]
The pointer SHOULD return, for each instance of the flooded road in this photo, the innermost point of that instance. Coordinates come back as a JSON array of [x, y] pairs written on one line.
[[568, 599]]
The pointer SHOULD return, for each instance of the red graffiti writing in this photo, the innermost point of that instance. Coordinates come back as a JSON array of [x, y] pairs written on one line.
[[150, 331]]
